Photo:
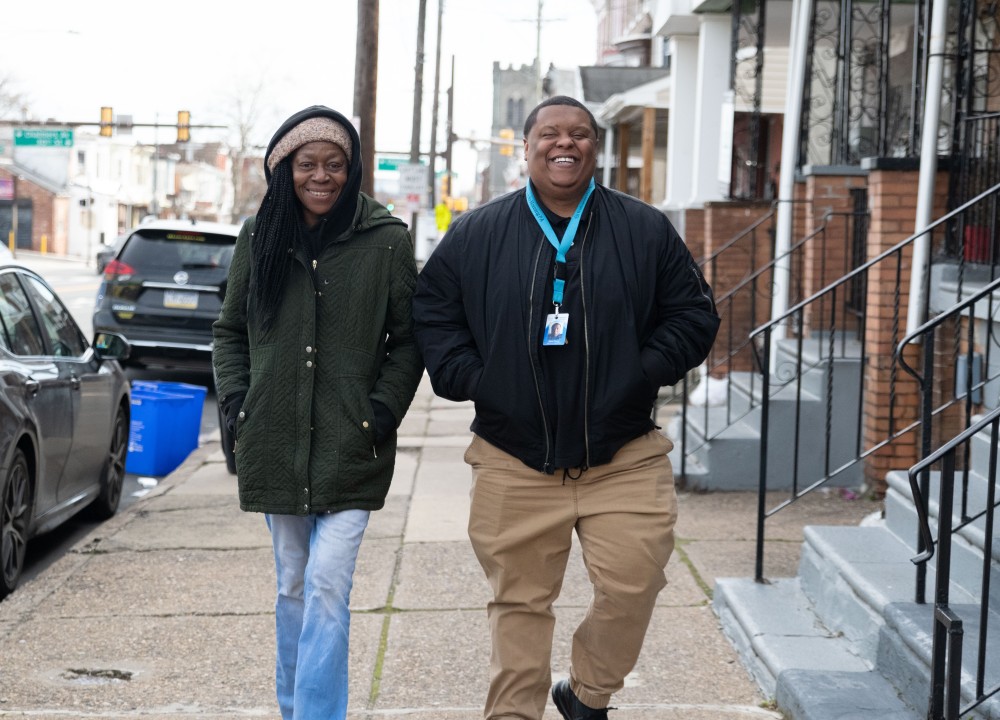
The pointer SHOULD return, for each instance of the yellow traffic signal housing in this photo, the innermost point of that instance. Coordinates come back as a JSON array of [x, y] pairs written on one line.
[[107, 122], [183, 126], [507, 148]]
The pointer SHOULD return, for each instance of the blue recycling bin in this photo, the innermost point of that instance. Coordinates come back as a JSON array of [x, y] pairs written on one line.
[[166, 422]]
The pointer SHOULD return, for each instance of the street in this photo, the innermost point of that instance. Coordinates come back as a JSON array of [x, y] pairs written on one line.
[[76, 284]]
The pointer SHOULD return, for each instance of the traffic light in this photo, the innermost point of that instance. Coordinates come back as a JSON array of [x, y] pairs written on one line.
[[507, 148], [107, 122], [183, 126], [445, 185]]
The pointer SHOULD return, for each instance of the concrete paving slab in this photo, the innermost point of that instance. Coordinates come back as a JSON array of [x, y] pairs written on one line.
[[438, 576], [682, 711], [374, 573], [685, 659], [404, 473], [414, 423], [439, 509], [450, 421], [390, 520], [682, 588], [213, 664], [211, 526], [448, 575], [714, 559], [366, 643], [436, 660], [206, 480], [733, 515], [166, 583]]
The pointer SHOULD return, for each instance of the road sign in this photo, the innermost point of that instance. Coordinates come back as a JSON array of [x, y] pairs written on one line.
[[413, 184], [391, 163], [42, 137]]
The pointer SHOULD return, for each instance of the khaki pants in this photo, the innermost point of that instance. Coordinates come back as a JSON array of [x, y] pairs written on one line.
[[521, 525]]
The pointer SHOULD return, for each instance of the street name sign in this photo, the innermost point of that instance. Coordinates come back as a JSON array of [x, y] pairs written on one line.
[[43, 137]]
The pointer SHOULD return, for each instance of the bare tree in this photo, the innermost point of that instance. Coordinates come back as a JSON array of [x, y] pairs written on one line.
[[244, 111], [12, 102]]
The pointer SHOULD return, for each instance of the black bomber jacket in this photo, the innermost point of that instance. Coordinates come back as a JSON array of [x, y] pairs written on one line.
[[649, 317]]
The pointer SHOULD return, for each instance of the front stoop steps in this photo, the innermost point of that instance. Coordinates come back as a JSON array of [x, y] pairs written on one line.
[[845, 639], [723, 440]]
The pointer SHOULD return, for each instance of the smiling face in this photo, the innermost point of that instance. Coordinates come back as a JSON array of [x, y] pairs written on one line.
[[561, 150], [319, 171]]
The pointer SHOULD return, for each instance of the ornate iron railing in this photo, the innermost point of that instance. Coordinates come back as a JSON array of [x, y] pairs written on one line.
[[749, 176], [859, 98], [976, 166]]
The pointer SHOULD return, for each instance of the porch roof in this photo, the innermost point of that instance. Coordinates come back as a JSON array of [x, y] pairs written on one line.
[[625, 106]]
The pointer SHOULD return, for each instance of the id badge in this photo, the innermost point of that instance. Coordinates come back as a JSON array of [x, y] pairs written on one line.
[[555, 329]]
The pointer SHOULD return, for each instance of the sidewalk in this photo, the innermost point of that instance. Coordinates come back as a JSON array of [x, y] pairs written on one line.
[[166, 610]]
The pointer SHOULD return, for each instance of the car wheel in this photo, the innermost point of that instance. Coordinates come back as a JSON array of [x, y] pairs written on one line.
[[105, 504], [15, 519], [227, 443]]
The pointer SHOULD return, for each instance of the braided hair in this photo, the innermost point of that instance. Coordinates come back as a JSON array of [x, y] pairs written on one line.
[[276, 230], [279, 228]]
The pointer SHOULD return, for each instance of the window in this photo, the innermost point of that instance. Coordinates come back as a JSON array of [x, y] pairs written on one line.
[[63, 334], [23, 334]]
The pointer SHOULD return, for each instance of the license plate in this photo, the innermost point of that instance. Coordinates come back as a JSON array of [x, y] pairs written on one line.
[[180, 300]]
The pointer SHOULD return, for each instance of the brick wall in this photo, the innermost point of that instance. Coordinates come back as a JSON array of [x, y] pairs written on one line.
[[45, 207], [694, 232], [891, 399], [751, 306]]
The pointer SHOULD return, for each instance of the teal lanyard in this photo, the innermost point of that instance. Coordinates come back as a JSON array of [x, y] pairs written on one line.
[[562, 247]]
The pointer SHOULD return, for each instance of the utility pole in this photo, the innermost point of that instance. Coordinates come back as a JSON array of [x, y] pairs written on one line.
[[365, 77], [538, 55], [434, 113], [451, 134], [418, 84], [418, 105]]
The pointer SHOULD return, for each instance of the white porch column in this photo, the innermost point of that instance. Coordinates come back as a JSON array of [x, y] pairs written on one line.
[[714, 56], [681, 122]]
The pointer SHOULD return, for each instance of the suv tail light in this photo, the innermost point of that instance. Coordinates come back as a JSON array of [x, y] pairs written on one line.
[[117, 268]]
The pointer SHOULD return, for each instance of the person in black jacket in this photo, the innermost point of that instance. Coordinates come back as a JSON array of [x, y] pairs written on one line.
[[563, 436]]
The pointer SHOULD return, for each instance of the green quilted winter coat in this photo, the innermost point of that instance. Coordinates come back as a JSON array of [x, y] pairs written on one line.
[[342, 336]]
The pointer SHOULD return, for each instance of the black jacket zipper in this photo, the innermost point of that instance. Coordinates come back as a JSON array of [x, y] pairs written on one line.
[[532, 358]]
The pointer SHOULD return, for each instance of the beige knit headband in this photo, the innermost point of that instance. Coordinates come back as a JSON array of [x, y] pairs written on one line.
[[310, 130]]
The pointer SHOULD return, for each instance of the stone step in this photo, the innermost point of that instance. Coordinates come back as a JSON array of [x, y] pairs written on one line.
[[847, 621], [967, 543], [774, 629], [853, 573], [838, 695]]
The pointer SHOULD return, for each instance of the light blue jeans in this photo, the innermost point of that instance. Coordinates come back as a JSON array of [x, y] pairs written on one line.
[[314, 557]]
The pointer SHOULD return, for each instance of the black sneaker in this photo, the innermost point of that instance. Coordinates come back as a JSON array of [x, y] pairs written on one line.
[[571, 708]]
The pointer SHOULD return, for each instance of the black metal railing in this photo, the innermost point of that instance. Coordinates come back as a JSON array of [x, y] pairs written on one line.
[[952, 388], [731, 372], [947, 661], [824, 324], [977, 160]]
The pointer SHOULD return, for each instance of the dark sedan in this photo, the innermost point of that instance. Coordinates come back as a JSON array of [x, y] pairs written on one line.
[[164, 290], [64, 418]]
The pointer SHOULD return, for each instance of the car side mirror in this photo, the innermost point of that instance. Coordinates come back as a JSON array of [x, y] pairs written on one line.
[[111, 346]]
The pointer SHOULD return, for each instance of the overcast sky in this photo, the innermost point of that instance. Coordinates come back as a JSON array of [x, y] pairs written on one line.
[[151, 59]]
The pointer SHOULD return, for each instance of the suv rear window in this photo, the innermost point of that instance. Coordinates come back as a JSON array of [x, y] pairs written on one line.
[[178, 250]]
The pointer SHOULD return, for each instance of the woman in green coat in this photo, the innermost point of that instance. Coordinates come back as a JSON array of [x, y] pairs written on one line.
[[316, 364]]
